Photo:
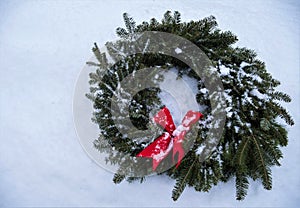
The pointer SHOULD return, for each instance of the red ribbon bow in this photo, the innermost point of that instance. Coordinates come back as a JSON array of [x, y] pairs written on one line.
[[172, 138]]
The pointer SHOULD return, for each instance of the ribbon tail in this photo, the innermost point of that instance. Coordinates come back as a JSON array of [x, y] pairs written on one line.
[[157, 150], [177, 148], [189, 119]]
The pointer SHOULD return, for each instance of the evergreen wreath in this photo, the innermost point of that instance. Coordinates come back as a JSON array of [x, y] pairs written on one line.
[[252, 136]]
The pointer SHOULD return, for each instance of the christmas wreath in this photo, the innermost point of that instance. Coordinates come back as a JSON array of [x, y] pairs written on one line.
[[252, 135]]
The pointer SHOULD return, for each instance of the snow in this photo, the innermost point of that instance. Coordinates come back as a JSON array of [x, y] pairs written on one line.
[[200, 149], [178, 95], [257, 78], [188, 120], [162, 153], [229, 112], [256, 93], [178, 50], [203, 90], [224, 70], [236, 129], [180, 129], [43, 47]]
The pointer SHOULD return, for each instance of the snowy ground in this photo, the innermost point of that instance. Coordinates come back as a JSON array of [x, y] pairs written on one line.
[[43, 47]]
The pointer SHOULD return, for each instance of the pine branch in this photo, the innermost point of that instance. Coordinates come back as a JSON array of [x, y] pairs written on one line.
[[242, 151], [262, 166], [272, 152], [181, 182], [241, 184], [129, 23], [281, 96], [177, 17], [167, 18], [118, 178], [122, 33]]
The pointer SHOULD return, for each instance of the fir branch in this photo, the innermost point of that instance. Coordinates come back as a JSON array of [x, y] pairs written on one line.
[[241, 184], [262, 166], [181, 182]]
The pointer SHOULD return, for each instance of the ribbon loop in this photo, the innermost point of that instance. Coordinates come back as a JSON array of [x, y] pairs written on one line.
[[165, 120]]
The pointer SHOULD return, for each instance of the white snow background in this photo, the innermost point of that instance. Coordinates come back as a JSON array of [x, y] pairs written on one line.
[[43, 47]]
